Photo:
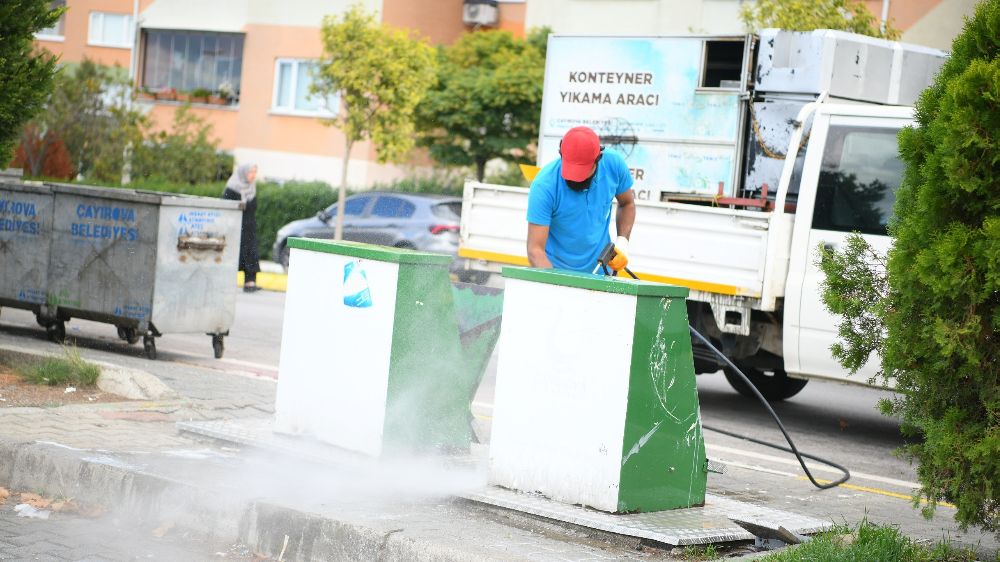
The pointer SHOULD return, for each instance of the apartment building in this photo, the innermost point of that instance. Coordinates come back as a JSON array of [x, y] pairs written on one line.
[[251, 61], [254, 57], [933, 23]]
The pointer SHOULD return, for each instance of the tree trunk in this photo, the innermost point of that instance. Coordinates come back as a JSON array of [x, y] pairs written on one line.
[[338, 230], [480, 169]]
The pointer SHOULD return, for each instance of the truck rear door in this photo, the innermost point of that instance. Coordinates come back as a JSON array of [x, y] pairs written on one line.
[[851, 173]]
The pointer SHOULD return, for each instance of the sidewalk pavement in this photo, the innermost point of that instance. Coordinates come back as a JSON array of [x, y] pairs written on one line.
[[208, 501]]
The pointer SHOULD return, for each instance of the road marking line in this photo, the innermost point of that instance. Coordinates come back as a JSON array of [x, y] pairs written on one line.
[[812, 466], [483, 405], [878, 491]]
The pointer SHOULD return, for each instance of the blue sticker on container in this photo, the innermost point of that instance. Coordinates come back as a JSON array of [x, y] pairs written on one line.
[[356, 293]]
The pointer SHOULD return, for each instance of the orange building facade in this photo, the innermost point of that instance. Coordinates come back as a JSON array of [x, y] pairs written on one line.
[[249, 62]]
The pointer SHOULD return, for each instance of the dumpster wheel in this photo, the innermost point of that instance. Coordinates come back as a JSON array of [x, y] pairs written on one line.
[[128, 334], [149, 344], [217, 346], [56, 331]]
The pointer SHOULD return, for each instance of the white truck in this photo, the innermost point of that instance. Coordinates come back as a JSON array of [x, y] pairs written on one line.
[[705, 124]]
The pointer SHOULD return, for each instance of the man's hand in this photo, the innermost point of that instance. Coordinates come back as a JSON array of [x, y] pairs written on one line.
[[620, 261]]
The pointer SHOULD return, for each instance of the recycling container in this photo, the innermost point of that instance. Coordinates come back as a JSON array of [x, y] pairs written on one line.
[[25, 236], [379, 355], [149, 263], [596, 402]]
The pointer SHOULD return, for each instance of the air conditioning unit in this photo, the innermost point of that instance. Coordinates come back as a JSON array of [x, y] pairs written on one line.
[[480, 13]]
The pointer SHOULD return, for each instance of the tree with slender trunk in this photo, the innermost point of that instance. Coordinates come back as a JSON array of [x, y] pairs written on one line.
[[380, 75]]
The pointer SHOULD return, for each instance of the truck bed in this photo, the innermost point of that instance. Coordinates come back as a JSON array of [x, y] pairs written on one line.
[[711, 250]]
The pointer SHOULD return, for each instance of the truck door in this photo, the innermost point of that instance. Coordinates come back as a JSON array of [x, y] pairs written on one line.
[[853, 163]]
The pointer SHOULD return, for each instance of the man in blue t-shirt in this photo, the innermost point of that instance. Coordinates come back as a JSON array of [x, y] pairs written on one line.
[[569, 205]]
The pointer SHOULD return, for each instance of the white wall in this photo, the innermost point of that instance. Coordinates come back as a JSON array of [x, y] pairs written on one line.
[[636, 17], [941, 25]]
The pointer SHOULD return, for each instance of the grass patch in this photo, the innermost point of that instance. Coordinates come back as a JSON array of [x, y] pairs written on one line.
[[57, 371], [870, 542], [695, 553]]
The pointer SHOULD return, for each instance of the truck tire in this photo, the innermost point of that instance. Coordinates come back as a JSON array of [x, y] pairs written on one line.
[[775, 385]]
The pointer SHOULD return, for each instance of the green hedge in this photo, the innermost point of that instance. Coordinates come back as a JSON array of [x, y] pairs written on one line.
[[278, 205]]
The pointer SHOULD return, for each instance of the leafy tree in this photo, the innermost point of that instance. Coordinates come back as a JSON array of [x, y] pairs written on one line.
[[932, 311], [539, 39], [806, 15], [26, 75], [91, 111], [185, 154], [381, 75], [486, 103]]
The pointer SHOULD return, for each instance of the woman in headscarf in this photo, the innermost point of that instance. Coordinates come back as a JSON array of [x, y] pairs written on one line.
[[242, 186]]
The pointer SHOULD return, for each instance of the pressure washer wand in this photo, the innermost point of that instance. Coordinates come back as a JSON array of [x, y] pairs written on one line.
[[605, 258]]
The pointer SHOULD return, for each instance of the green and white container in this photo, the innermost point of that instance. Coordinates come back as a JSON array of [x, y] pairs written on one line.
[[371, 353], [596, 402]]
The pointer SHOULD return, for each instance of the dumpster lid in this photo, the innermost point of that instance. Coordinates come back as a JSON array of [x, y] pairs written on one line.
[[182, 200], [118, 194], [620, 285], [10, 184], [369, 251]]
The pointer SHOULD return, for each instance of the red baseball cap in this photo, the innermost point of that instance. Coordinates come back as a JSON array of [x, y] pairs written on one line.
[[579, 149]]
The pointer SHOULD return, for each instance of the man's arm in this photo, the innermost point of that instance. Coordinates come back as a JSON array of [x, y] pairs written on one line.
[[625, 217], [538, 235]]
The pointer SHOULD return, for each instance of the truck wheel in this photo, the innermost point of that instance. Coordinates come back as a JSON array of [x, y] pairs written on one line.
[[775, 384]]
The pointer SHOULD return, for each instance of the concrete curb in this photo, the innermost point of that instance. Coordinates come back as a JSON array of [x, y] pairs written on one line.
[[129, 383], [150, 500]]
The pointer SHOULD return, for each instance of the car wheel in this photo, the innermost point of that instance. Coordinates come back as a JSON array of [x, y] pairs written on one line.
[[774, 384]]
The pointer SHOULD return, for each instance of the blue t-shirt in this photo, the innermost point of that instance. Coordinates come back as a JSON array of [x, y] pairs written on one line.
[[578, 221]]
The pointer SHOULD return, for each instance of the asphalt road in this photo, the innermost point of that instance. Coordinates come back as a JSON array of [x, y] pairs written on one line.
[[831, 420]]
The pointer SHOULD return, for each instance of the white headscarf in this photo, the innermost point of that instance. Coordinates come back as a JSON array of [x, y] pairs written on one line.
[[240, 182]]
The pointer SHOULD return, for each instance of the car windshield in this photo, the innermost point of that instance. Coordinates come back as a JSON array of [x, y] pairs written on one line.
[[451, 210]]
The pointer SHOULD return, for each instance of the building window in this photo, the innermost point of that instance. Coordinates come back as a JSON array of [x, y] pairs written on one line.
[[186, 61], [56, 31], [110, 30], [292, 80]]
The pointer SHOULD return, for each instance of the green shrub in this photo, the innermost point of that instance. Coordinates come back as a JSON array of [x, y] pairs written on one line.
[[509, 174], [278, 205], [186, 153], [869, 542], [57, 371], [934, 317]]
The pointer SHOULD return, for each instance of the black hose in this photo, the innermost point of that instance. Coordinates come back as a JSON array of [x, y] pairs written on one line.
[[791, 446]]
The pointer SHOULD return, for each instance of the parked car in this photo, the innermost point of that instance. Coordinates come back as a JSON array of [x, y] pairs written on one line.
[[427, 223]]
